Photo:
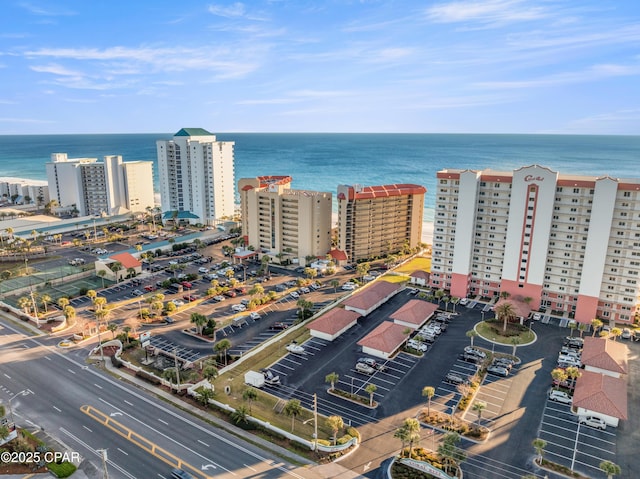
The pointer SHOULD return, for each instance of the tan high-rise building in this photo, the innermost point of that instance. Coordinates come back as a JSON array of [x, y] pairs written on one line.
[[375, 221], [284, 223]]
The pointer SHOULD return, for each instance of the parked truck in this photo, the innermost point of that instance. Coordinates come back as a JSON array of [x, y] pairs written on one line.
[[254, 378]]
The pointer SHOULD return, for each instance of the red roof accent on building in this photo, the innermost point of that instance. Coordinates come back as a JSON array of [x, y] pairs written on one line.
[[446, 175], [387, 337], [629, 186], [334, 321], [605, 354], [576, 183], [420, 274], [415, 312], [497, 177], [247, 187], [277, 180], [602, 394], [372, 295], [126, 260], [338, 255], [381, 191]]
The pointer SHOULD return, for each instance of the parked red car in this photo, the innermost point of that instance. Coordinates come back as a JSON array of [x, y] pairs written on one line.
[[230, 293], [186, 284]]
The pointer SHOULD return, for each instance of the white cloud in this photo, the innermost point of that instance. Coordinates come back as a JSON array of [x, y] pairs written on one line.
[[228, 11], [45, 11], [488, 11], [55, 69], [269, 101]]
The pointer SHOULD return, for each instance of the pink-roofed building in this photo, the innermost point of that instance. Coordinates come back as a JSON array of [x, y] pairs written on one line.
[[384, 341], [419, 277], [371, 297], [605, 356], [414, 313], [601, 395], [127, 262], [333, 323]]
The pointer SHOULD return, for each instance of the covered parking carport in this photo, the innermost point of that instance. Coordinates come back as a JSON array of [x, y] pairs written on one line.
[[333, 323], [414, 313]]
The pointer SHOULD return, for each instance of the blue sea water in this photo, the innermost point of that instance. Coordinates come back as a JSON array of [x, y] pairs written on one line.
[[322, 161]]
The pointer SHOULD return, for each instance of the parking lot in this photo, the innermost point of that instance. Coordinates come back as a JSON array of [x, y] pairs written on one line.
[[580, 447]]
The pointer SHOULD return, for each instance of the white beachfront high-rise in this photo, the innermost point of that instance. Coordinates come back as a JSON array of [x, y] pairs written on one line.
[[570, 243], [196, 176], [100, 188]]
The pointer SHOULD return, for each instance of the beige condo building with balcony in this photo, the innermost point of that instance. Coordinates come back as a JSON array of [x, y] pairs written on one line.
[[376, 221], [282, 222]]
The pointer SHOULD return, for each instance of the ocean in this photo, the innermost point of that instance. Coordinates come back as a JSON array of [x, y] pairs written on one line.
[[322, 161]]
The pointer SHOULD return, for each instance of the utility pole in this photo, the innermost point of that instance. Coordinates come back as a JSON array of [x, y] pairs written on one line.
[[103, 454], [315, 422], [175, 358]]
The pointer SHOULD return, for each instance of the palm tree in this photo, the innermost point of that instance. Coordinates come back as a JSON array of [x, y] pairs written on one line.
[[539, 445], [332, 378], [572, 326], [615, 333], [455, 302], [199, 320], [102, 273], [514, 341], [582, 327], [428, 392], [371, 389], [222, 347], [204, 395], [293, 408], [25, 304], [69, 313], [116, 267], [478, 407], [92, 295], [573, 373], [450, 451], [596, 324], [63, 302], [610, 469], [439, 295], [505, 312], [559, 375], [45, 299], [335, 423], [257, 290], [210, 372], [250, 394], [113, 327], [412, 427], [402, 434], [240, 415], [471, 334], [334, 284]]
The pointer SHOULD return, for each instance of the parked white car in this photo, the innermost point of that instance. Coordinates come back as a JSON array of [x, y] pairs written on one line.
[[593, 421], [238, 308], [295, 348], [255, 316], [559, 396]]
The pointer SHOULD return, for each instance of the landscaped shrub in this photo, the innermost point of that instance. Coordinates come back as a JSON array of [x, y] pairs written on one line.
[[324, 442], [148, 376], [343, 440], [64, 469], [353, 432], [116, 362]]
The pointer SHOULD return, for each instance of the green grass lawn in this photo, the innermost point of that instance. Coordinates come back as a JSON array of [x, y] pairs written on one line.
[[417, 263], [493, 332]]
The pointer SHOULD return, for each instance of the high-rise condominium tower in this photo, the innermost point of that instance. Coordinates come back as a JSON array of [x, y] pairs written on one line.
[[196, 176], [569, 243]]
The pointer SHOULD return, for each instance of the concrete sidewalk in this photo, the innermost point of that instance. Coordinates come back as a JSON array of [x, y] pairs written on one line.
[[309, 469]]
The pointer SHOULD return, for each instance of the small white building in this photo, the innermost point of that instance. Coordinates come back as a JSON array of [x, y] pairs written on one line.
[[414, 313], [601, 395], [371, 297]]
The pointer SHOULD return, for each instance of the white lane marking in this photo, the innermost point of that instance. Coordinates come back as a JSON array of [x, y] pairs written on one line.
[[123, 452], [203, 443], [57, 409], [87, 428], [163, 422]]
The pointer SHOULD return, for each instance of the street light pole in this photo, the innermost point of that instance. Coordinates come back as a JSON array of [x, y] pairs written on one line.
[[24, 392]]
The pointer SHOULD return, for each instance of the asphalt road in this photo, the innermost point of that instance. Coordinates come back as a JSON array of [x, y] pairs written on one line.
[[65, 390]]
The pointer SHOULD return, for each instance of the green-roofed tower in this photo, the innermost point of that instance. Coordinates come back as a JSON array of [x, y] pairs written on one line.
[[196, 174]]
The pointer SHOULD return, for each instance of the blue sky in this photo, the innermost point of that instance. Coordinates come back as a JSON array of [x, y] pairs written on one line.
[[485, 66]]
